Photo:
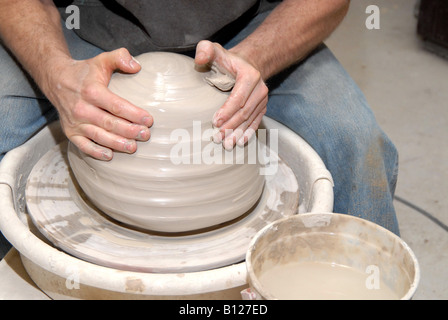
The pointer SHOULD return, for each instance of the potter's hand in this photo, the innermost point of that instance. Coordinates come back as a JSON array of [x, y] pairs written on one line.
[[241, 114], [92, 117]]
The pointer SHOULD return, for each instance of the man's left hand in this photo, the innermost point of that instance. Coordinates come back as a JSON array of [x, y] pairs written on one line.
[[241, 114]]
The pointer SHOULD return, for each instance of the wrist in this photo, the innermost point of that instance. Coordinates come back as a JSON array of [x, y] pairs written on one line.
[[53, 79], [52, 73], [250, 55]]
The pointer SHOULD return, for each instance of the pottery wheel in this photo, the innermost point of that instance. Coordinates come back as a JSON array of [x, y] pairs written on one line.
[[67, 219]]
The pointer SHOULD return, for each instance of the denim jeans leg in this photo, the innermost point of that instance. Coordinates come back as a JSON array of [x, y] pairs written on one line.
[[319, 101]]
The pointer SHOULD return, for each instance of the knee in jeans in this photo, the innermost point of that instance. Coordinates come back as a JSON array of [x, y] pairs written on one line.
[[375, 152], [367, 142]]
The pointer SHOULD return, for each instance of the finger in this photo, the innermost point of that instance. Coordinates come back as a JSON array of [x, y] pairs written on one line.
[[107, 139], [113, 124], [215, 56], [205, 52], [99, 95], [254, 104], [91, 148], [251, 130], [238, 135], [244, 88], [232, 136], [119, 59], [240, 118]]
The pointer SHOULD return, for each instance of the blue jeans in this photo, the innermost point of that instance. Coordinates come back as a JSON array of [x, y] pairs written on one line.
[[320, 102], [315, 98]]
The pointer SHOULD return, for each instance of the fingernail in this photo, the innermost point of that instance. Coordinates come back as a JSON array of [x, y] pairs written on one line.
[[142, 135], [217, 137], [218, 123], [134, 62], [147, 121], [228, 144], [129, 145], [106, 154]]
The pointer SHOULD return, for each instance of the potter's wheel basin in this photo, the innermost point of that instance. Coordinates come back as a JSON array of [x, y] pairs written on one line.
[[66, 217], [50, 267]]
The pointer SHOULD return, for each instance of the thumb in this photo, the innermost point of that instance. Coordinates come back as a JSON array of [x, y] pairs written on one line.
[[213, 55], [120, 59], [205, 53]]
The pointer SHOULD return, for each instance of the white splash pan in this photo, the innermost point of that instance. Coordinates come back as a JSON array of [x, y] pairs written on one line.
[[62, 276]]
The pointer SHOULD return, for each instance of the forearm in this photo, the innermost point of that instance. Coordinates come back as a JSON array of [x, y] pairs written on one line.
[[290, 33], [93, 118], [31, 29]]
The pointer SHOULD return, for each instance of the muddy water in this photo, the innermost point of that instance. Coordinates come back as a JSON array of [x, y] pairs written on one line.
[[323, 281]]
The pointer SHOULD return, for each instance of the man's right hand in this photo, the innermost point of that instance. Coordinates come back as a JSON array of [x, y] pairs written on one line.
[[96, 120]]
